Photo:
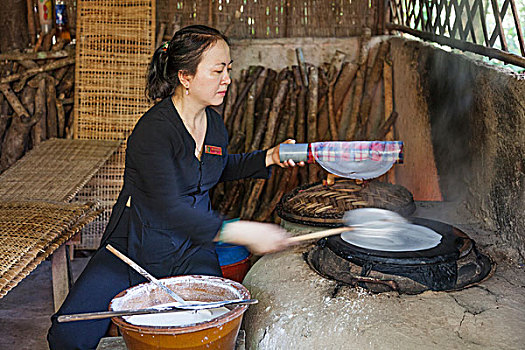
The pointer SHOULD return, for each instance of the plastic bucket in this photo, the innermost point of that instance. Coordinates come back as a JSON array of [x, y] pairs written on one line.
[[234, 260], [218, 333]]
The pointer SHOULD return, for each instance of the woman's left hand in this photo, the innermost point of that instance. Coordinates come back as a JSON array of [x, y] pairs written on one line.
[[272, 157]]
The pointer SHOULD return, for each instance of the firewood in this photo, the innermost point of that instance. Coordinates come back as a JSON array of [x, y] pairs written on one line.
[[237, 142], [323, 123], [51, 118], [4, 118], [290, 129], [232, 196], [333, 73], [389, 93], [230, 99], [343, 95], [40, 55], [13, 100], [31, 22], [15, 140], [69, 127], [349, 133], [312, 104], [33, 71], [48, 40], [67, 83], [267, 209], [261, 125], [282, 129], [274, 114], [249, 117], [268, 192], [372, 81], [253, 200], [61, 115], [384, 128], [259, 83], [312, 114], [302, 66], [38, 133], [245, 85], [38, 44]]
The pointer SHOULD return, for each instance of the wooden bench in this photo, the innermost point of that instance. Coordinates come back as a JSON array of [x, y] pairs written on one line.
[[37, 190]]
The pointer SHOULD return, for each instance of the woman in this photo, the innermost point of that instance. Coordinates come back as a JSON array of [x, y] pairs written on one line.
[[175, 155]]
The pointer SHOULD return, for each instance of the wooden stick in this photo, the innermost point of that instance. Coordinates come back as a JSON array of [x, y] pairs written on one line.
[[342, 86], [268, 209], [40, 55], [61, 115], [245, 88], [230, 99], [33, 71], [359, 85], [261, 125], [249, 117], [302, 66], [13, 100], [313, 78], [145, 274], [52, 122], [372, 82], [38, 133], [31, 21], [274, 114], [312, 115], [384, 128], [319, 234]]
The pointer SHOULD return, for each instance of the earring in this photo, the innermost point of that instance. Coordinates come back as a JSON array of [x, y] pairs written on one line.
[[187, 90]]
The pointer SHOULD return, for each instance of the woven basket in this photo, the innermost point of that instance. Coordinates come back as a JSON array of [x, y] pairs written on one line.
[[319, 205]]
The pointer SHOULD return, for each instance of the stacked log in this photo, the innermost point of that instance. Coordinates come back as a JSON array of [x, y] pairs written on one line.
[[338, 100], [36, 97]]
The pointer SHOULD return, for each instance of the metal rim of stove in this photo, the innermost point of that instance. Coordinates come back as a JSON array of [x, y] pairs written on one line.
[[403, 268]]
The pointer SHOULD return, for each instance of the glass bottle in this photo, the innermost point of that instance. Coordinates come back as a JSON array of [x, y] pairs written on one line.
[[62, 30], [45, 14]]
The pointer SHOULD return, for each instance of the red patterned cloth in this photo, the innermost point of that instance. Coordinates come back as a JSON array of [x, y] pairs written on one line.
[[355, 151]]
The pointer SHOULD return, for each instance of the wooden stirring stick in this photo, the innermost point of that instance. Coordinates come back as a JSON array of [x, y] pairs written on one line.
[[144, 273], [319, 234]]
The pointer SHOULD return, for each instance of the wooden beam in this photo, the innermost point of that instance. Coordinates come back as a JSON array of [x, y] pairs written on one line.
[[490, 52], [60, 276]]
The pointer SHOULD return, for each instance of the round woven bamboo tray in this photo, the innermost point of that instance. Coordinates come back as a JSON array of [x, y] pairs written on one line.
[[319, 205]]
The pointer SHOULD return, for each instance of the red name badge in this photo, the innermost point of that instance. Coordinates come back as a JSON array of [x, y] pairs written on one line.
[[213, 150]]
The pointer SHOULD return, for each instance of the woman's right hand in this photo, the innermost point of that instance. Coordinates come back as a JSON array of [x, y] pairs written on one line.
[[260, 238]]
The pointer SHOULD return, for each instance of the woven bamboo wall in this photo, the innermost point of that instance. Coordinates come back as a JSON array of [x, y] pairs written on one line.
[[115, 40], [273, 18]]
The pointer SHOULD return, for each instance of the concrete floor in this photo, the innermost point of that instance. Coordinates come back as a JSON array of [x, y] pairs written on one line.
[[26, 310]]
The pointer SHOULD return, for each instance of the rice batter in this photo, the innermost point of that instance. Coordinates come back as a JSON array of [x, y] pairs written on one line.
[[177, 318]]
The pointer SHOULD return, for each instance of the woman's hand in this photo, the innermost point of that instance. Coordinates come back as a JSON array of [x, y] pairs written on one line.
[[260, 238], [272, 157]]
